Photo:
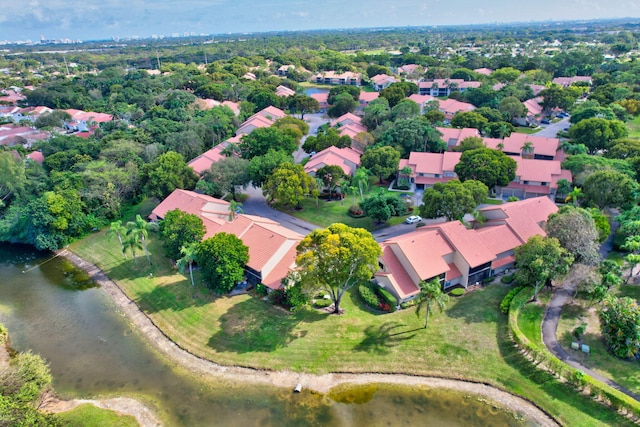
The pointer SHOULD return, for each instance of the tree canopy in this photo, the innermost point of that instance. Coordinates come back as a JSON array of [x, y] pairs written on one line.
[[381, 161], [335, 258], [491, 167], [452, 199], [222, 259], [179, 229]]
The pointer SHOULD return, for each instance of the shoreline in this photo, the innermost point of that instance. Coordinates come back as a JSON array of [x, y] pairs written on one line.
[[286, 379]]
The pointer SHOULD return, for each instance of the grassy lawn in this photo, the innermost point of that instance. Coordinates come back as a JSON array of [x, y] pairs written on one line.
[[91, 416], [634, 127], [327, 213], [527, 130], [469, 340], [626, 373]]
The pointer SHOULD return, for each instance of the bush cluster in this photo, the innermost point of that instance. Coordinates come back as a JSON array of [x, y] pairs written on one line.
[[506, 301], [356, 211], [408, 304], [369, 296], [390, 301], [508, 279], [457, 292], [322, 303]]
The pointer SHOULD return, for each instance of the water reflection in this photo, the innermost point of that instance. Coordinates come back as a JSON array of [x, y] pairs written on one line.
[[54, 310]]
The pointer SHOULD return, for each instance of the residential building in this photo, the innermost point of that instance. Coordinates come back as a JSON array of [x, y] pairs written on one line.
[[365, 98], [272, 247], [323, 100], [284, 70], [453, 136], [333, 78], [456, 255], [422, 101], [284, 91], [514, 145], [204, 161], [568, 81], [444, 87], [262, 119], [347, 158], [429, 168], [451, 106], [484, 71], [382, 81]]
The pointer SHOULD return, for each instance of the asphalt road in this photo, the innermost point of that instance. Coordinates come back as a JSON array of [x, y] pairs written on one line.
[[551, 130]]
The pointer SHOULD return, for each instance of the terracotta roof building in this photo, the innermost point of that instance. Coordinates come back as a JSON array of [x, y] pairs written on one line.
[[456, 255], [272, 247], [347, 158], [444, 87]]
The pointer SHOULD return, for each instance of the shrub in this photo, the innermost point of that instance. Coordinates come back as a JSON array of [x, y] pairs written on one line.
[[508, 279], [261, 289], [579, 331], [457, 292], [277, 296], [295, 299], [506, 301], [322, 303], [368, 296], [488, 280], [383, 306], [355, 211], [387, 298], [408, 304]]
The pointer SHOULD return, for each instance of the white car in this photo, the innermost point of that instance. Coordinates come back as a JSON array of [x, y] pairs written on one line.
[[413, 219]]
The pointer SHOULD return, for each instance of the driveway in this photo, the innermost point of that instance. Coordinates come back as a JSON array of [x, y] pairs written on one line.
[[314, 121], [551, 131]]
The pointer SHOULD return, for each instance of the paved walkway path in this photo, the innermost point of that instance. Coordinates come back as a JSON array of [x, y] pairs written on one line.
[[550, 324], [549, 327]]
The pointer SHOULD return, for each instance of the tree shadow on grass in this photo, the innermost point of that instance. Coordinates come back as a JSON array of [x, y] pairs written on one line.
[[253, 325], [476, 307], [379, 340], [174, 297]]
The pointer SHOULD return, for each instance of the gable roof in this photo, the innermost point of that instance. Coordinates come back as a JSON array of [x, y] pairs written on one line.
[[450, 135], [514, 143], [466, 242], [451, 106], [431, 163], [284, 91], [367, 97], [347, 158], [524, 217], [204, 161], [346, 118]]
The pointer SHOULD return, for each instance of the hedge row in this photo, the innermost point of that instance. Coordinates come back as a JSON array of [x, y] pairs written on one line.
[[369, 296], [506, 301], [543, 357], [388, 298]]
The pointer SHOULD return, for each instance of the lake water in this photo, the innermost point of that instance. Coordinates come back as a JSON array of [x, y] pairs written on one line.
[[55, 310], [311, 90]]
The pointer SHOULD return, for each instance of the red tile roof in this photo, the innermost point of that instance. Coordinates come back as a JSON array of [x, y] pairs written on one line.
[[347, 158], [466, 242], [89, 116], [36, 156], [458, 135], [367, 97]]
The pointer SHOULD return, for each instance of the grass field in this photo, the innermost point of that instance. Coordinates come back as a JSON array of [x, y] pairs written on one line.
[[634, 127], [469, 340], [91, 416], [526, 130]]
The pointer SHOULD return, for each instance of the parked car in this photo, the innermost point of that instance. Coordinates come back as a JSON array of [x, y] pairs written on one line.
[[545, 122], [413, 219]]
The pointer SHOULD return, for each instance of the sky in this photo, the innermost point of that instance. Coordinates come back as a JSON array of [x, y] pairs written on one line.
[[104, 19]]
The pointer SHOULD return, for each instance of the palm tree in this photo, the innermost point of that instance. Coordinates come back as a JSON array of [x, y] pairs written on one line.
[[361, 179], [500, 146], [574, 195], [116, 228], [189, 256], [234, 208], [139, 231], [527, 149], [430, 292], [132, 243]]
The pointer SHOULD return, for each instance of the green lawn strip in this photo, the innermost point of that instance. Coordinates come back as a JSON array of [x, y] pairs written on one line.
[[634, 127], [626, 373], [526, 130], [468, 341], [90, 416], [324, 213]]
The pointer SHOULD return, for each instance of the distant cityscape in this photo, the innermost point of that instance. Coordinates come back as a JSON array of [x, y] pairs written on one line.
[[45, 41]]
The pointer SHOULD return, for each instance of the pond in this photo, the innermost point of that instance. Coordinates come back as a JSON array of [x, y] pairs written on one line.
[[54, 309], [311, 90]]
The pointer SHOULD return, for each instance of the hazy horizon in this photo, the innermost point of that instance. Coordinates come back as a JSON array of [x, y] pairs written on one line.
[[75, 19]]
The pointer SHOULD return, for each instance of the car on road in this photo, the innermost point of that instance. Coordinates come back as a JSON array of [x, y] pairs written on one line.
[[413, 219]]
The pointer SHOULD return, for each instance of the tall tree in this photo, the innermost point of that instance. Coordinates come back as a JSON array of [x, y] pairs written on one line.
[[620, 326], [261, 167], [189, 256], [451, 200], [541, 260], [139, 230], [178, 229], [168, 172], [332, 176], [222, 259], [12, 176], [491, 167], [607, 188], [225, 175], [576, 231], [430, 293], [335, 258], [381, 161], [596, 133], [117, 229], [261, 140], [288, 185]]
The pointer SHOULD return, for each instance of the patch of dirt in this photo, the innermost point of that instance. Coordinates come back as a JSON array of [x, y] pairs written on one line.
[[288, 379]]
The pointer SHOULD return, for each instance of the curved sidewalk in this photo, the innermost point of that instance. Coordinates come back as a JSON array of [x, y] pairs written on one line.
[[549, 329]]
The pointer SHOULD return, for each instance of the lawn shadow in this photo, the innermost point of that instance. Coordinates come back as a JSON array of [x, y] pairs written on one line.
[[473, 307], [253, 325], [381, 339], [174, 297]]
